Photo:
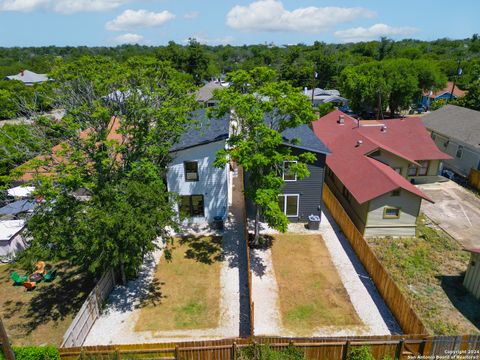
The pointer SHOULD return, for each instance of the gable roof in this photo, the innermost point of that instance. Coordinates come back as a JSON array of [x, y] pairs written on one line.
[[456, 122], [302, 137], [28, 77], [203, 131], [448, 89], [365, 177], [205, 93]]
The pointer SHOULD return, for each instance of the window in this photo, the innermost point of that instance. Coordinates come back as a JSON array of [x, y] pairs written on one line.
[[288, 174], [412, 170], [396, 192], [289, 204], [391, 213], [191, 205], [459, 153], [191, 170], [346, 193], [423, 170]]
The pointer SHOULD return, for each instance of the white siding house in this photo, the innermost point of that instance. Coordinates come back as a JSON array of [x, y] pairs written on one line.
[[203, 190], [210, 186]]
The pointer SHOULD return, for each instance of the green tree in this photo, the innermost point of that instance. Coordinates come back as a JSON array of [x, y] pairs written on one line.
[[471, 99], [119, 163], [402, 84], [263, 107]]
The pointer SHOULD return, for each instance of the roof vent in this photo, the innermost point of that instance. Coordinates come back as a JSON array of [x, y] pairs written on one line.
[[359, 142], [341, 119], [383, 129]]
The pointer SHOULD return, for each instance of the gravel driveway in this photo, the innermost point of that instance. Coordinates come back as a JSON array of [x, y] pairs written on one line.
[[456, 210]]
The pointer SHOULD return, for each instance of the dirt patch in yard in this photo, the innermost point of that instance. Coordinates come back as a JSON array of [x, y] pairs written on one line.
[[430, 269], [185, 293], [311, 293], [42, 316]]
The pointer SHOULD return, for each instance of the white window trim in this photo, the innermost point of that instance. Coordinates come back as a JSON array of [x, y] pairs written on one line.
[[285, 204], [461, 154], [283, 171]]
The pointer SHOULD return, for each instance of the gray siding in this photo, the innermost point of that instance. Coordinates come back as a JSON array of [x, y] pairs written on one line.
[[310, 189], [472, 276], [470, 158]]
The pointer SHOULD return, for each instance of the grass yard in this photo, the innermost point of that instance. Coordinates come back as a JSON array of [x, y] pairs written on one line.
[[186, 288], [430, 270], [311, 292], [42, 316]]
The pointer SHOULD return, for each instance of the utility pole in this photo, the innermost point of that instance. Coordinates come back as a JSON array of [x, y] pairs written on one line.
[[313, 80], [7, 349], [459, 72]]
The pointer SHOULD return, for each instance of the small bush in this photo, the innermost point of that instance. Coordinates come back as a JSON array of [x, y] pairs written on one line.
[[265, 352], [360, 353], [34, 353]]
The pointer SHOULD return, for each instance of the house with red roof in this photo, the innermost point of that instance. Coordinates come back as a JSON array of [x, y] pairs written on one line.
[[373, 167]]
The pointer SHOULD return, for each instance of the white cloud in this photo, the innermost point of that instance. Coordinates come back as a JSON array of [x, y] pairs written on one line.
[[192, 15], [129, 38], [133, 19], [373, 32], [61, 6], [270, 15]]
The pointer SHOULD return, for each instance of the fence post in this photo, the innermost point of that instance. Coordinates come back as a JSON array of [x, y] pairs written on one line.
[[176, 352], [399, 350], [234, 351], [345, 350], [7, 349]]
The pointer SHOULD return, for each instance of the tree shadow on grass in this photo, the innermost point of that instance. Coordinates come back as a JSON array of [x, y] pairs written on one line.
[[461, 298], [58, 299], [204, 249], [153, 294]]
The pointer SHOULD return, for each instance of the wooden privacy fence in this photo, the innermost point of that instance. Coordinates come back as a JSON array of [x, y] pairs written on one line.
[[89, 312], [395, 347], [394, 298], [474, 178]]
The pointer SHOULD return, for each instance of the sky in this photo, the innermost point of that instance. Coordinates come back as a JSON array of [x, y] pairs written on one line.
[[236, 22]]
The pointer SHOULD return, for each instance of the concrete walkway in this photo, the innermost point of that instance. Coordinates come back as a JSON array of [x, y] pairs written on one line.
[[456, 210], [367, 302], [116, 324]]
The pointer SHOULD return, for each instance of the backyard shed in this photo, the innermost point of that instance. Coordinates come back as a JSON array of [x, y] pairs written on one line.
[[472, 276]]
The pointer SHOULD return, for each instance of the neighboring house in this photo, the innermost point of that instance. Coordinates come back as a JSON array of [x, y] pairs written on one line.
[[472, 275], [300, 198], [28, 77], [443, 94], [372, 167], [321, 96], [204, 189], [204, 95], [11, 240], [456, 131]]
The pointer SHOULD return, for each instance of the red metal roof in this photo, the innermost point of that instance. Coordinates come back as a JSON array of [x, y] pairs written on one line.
[[365, 177]]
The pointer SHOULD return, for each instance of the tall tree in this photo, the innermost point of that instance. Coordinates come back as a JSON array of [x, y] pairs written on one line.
[[118, 162], [263, 107]]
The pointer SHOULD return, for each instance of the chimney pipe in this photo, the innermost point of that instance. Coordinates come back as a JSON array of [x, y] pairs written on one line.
[[384, 128], [341, 119], [359, 142]]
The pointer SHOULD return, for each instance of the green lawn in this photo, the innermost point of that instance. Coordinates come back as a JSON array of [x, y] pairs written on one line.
[[43, 315], [429, 269]]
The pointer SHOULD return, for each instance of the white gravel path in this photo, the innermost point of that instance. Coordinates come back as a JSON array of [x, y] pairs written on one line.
[[368, 304]]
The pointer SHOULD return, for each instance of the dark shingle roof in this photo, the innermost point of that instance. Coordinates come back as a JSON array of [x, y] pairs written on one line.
[[203, 131], [456, 122], [303, 137]]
